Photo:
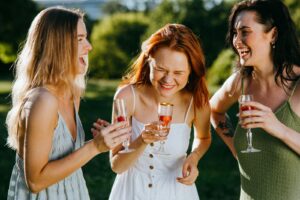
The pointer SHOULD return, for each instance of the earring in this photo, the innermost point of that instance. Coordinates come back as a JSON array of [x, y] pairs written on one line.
[[273, 45]]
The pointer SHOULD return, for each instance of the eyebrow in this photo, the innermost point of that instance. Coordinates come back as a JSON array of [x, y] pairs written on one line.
[[81, 35], [242, 28], [180, 71]]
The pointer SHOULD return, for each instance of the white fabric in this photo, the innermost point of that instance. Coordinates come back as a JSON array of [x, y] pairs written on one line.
[[133, 184]]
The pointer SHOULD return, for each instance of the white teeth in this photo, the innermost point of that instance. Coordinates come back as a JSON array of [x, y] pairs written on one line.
[[244, 52], [86, 59]]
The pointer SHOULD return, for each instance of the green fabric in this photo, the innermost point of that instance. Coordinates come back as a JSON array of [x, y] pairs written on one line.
[[273, 173]]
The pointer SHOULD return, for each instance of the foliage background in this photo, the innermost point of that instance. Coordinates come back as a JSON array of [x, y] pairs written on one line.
[[116, 39]]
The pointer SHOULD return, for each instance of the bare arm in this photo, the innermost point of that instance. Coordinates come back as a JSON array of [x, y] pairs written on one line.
[[263, 117], [220, 102], [201, 143], [122, 162], [41, 119]]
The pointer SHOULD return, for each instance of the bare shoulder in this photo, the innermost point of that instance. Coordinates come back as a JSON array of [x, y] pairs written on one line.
[[296, 70], [40, 102], [232, 85], [125, 92], [295, 103], [41, 97], [228, 93], [203, 111]]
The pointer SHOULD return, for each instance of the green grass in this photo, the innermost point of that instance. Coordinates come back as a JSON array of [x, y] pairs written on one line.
[[218, 171]]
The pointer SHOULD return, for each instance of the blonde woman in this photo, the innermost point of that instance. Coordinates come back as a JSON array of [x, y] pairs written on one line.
[[43, 125]]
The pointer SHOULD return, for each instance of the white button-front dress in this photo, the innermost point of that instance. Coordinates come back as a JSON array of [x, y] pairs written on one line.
[[153, 176]]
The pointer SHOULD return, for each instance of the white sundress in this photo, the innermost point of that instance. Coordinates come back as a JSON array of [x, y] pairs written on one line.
[[153, 176]]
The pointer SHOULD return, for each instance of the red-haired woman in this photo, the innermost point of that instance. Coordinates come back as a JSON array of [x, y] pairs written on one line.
[[170, 69]]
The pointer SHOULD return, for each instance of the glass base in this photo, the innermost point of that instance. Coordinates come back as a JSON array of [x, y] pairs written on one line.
[[251, 150], [126, 151], [161, 153]]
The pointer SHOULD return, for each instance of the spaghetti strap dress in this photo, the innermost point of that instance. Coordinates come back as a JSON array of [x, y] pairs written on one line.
[[153, 176], [273, 173], [72, 187]]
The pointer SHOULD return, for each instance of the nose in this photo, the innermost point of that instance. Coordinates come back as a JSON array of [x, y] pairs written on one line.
[[167, 78], [88, 46], [237, 40]]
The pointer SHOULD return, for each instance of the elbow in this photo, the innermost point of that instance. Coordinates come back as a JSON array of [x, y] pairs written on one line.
[[34, 184], [116, 168], [34, 187]]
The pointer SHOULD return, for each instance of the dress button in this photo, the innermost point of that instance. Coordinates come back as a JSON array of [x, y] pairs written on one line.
[[151, 167], [151, 144], [151, 155], [150, 185]]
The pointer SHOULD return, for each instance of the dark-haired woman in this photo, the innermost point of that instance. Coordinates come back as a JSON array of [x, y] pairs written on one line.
[[263, 35]]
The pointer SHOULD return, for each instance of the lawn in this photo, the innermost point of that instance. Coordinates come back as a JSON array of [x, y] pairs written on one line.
[[218, 171]]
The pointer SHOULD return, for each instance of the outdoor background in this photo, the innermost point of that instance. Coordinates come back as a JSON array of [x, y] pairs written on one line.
[[117, 29]]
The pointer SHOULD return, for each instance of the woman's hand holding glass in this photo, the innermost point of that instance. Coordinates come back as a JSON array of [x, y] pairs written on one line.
[[246, 108], [262, 117], [151, 134], [165, 112], [107, 136]]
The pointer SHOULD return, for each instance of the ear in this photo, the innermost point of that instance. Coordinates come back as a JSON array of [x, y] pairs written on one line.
[[273, 33]]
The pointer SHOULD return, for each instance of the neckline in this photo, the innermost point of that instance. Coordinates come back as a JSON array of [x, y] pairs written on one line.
[[67, 128], [276, 110], [286, 102], [181, 123]]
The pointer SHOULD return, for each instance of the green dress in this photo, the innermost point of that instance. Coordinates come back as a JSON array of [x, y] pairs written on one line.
[[273, 173]]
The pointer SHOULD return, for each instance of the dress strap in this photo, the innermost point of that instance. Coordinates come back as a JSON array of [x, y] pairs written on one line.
[[188, 110], [133, 93], [295, 86]]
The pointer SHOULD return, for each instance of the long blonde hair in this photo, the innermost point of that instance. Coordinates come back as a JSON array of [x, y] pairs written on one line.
[[49, 57]]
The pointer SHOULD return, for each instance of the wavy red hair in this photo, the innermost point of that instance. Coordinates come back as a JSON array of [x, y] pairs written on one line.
[[179, 38]]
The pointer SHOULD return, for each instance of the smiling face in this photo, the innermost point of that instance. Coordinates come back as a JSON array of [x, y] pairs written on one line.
[[251, 40], [169, 71], [83, 47]]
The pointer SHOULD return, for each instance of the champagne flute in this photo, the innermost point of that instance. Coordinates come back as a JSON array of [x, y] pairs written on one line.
[[245, 98], [120, 116], [165, 111]]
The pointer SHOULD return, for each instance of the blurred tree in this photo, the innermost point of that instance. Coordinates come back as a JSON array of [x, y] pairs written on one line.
[[166, 12], [114, 6], [221, 69], [116, 40], [15, 19], [210, 24], [294, 8]]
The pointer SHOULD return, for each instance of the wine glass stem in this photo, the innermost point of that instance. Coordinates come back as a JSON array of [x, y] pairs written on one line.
[[126, 144], [249, 138]]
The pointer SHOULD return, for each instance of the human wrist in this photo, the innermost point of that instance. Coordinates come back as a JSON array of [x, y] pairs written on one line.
[[143, 142], [93, 147], [195, 156]]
